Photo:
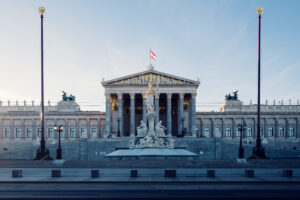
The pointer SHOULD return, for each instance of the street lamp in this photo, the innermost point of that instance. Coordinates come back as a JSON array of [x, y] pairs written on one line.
[[42, 152], [241, 128], [258, 151], [58, 129]]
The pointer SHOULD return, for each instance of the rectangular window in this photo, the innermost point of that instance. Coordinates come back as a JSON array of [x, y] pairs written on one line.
[[7, 133], [217, 128], [270, 132], [281, 131], [29, 132], [206, 132], [292, 132], [39, 131], [50, 133], [83, 132], [94, 132], [18, 132], [228, 132], [249, 132], [72, 132]]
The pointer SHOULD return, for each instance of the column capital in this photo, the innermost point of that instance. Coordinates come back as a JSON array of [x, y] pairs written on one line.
[[194, 95], [169, 95], [120, 96], [132, 95], [157, 96], [181, 95]]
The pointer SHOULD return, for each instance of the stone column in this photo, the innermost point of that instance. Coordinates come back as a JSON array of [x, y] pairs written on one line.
[[156, 108], [193, 114], [120, 113], [107, 116], [180, 113], [169, 115], [144, 109], [132, 116]]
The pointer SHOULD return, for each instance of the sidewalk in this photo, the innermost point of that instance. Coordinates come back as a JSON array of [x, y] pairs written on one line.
[[280, 163], [107, 175]]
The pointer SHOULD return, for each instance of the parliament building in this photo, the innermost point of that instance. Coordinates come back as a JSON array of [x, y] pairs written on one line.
[[90, 135]]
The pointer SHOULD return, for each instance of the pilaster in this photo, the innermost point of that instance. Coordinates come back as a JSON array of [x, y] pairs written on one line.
[[276, 129]]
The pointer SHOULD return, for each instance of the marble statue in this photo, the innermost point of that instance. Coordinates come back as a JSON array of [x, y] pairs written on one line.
[[160, 129], [151, 137], [142, 129]]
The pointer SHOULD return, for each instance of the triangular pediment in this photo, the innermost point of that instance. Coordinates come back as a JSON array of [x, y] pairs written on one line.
[[143, 78]]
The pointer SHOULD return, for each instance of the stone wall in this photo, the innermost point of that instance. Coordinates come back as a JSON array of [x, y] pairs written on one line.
[[96, 149]]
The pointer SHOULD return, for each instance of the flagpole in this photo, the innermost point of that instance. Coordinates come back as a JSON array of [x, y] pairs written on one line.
[[150, 57]]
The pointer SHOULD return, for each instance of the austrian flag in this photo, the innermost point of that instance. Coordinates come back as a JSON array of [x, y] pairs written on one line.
[[152, 55]]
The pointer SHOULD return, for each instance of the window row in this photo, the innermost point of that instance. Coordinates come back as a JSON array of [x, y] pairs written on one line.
[[49, 132], [249, 132]]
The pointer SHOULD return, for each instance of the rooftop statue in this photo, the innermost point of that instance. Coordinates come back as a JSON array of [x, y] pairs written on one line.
[[234, 97], [67, 98]]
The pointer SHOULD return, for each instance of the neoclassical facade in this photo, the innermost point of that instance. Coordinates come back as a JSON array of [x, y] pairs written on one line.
[[90, 135], [175, 103]]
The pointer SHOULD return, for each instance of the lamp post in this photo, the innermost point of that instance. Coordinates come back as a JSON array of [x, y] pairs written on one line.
[[241, 129], [42, 152], [59, 129], [258, 151]]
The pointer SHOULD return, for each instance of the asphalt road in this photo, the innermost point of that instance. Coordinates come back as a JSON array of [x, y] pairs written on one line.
[[150, 191]]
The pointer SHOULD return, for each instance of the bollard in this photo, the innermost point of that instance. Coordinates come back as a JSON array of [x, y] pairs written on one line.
[[249, 173], [94, 173], [211, 173], [55, 173], [287, 173], [133, 173], [16, 173], [170, 173]]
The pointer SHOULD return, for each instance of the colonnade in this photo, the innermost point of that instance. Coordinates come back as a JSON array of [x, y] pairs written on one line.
[[172, 100]]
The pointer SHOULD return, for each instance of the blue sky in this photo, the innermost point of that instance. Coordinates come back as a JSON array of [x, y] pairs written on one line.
[[85, 41]]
